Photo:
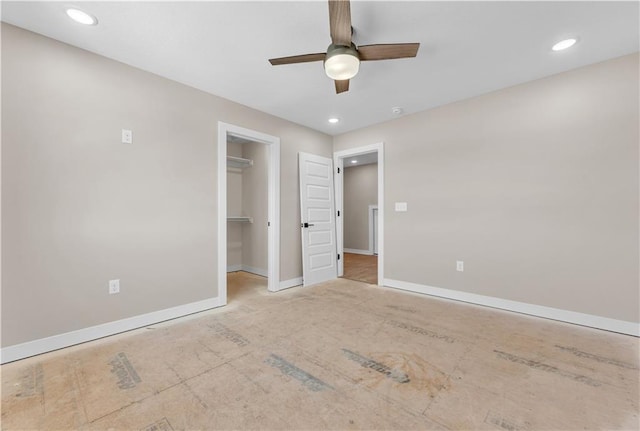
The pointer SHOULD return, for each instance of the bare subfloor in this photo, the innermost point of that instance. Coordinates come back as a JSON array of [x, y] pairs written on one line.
[[341, 355]]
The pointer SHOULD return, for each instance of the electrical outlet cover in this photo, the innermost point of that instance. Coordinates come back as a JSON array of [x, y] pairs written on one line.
[[114, 286], [127, 136]]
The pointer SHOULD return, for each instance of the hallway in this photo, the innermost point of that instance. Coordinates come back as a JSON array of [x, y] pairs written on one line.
[[360, 267]]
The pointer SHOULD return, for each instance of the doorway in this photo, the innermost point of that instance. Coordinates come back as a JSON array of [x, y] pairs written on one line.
[[362, 251], [226, 133]]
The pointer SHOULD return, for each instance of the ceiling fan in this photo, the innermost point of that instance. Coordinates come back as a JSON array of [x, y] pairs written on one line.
[[343, 57]]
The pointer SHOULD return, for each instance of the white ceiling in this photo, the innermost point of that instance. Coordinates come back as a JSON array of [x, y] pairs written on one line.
[[467, 48]]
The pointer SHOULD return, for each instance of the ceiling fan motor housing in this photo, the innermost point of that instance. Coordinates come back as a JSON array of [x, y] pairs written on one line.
[[342, 62]]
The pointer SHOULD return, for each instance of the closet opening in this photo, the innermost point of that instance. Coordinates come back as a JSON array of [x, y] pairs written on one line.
[[247, 219], [248, 204]]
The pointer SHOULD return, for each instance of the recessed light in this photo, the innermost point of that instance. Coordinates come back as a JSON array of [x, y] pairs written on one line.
[[564, 44], [397, 110], [354, 161], [81, 17], [334, 120]]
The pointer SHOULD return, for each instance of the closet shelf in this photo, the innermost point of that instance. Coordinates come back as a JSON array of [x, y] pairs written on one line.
[[241, 219], [238, 162]]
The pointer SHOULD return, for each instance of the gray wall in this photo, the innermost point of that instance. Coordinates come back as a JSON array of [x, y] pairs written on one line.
[[248, 195], [80, 208], [360, 191], [255, 203], [534, 187], [234, 208]]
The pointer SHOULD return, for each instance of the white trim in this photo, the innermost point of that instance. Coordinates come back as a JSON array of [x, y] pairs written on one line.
[[291, 283], [55, 342], [338, 158], [222, 212], [338, 184], [371, 209], [592, 321], [273, 258], [246, 268], [380, 237], [356, 251]]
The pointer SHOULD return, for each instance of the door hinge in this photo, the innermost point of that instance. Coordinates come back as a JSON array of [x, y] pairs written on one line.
[[338, 170], [338, 213], [268, 223], [338, 256]]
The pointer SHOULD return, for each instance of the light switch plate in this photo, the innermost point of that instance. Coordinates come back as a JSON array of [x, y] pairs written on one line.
[[401, 206], [459, 266]]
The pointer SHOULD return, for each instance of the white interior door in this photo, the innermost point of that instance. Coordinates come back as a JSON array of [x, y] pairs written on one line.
[[317, 208]]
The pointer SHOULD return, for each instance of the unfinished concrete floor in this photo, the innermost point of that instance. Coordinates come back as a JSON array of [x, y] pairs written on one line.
[[341, 355]]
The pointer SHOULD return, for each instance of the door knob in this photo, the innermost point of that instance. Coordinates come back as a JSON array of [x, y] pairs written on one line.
[[307, 224]]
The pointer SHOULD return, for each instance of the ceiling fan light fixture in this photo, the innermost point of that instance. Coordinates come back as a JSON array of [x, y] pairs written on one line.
[[342, 62]]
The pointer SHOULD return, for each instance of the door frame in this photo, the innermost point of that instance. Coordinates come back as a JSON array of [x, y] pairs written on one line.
[[273, 233], [338, 162]]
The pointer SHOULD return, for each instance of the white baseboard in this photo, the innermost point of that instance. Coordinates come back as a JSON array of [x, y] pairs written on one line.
[[253, 270], [55, 342], [291, 283], [592, 321], [356, 251], [247, 268]]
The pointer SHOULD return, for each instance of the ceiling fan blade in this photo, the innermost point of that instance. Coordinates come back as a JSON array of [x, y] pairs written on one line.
[[304, 58], [342, 86], [388, 51], [340, 22]]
